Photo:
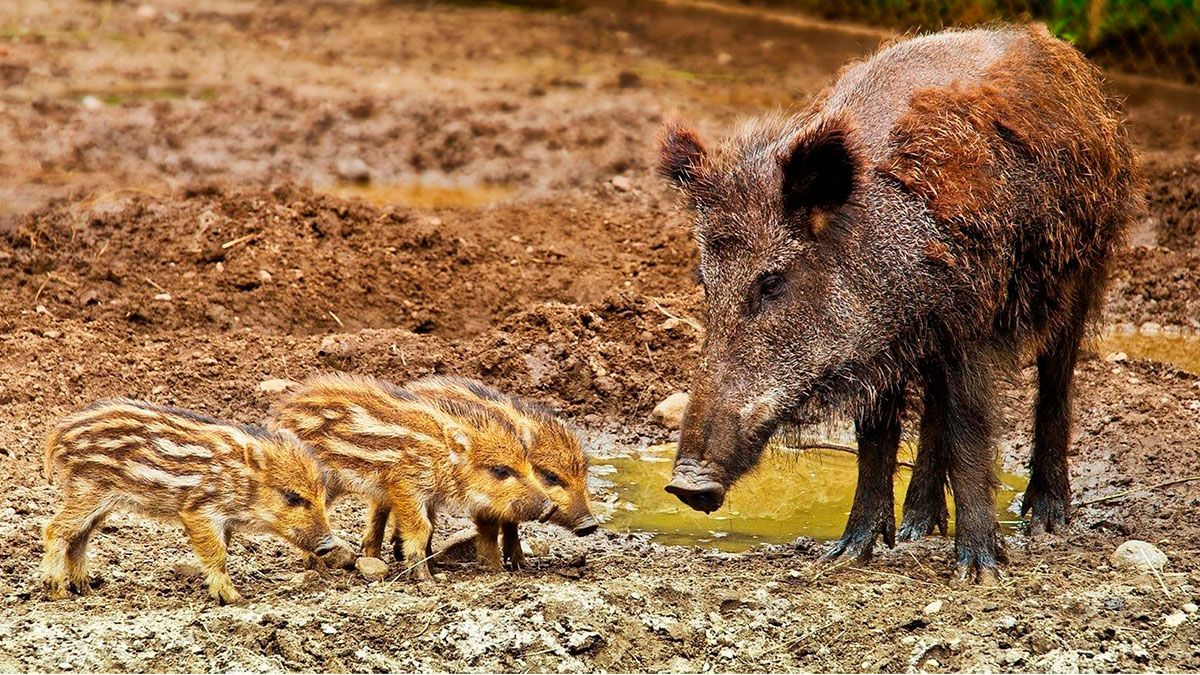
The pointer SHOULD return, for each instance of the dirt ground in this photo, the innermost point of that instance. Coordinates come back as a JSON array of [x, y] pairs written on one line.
[[167, 232]]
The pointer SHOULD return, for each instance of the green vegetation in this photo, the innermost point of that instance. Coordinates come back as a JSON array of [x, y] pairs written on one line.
[[1154, 36]]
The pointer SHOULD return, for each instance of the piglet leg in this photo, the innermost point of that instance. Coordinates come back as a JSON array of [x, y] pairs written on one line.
[[209, 544]]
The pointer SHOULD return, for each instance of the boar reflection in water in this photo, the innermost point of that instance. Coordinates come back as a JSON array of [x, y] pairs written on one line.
[[792, 493]]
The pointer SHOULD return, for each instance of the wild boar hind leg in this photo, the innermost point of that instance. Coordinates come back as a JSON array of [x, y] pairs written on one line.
[[209, 543], [1048, 496], [925, 501], [872, 512], [377, 520], [64, 562]]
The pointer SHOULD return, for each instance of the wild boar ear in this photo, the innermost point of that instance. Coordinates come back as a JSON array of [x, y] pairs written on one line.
[[680, 152], [820, 170], [254, 457], [460, 445]]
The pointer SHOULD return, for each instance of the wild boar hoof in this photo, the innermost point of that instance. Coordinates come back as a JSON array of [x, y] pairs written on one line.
[[980, 566], [55, 590], [1047, 513], [922, 521], [858, 541], [516, 560]]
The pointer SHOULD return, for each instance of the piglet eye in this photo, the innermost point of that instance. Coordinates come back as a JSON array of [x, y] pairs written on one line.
[[502, 472], [550, 478], [770, 286], [294, 499]]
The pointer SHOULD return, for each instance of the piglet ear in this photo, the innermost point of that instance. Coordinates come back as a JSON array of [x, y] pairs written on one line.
[[821, 168], [254, 457], [680, 152]]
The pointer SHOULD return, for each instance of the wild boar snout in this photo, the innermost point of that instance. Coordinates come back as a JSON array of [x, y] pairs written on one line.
[[585, 526], [325, 545], [694, 484]]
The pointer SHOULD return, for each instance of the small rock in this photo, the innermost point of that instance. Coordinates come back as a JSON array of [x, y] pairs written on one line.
[[1190, 608], [275, 385], [372, 569], [92, 103], [164, 297], [328, 629], [353, 169], [724, 58], [621, 183], [1176, 619], [1117, 357], [1013, 657], [539, 547], [187, 571], [669, 413], [1139, 555], [933, 607], [147, 12], [440, 576], [52, 334], [302, 579], [264, 276]]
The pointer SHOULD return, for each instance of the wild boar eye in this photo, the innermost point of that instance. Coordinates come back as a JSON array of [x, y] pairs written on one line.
[[550, 478], [770, 286], [294, 499], [502, 472]]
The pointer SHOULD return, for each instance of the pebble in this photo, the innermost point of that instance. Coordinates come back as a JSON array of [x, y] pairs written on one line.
[[328, 629], [724, 58], [372, 569], [275, 385], [933, 607], [669, 412], [621, 183], [1139, 555], [164, 297], [52, 334], [1117, 357], [539, 547], [302, 579], [353, 169], [1190, 608], [92, 103], [1176, 619], [186, 571]]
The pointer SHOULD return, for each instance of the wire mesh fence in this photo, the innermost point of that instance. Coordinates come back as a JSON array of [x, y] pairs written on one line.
[[1151, 37]]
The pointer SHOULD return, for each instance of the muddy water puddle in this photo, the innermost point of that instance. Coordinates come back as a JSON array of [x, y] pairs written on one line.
[[1180, 348], [791, 493], [423, 195]]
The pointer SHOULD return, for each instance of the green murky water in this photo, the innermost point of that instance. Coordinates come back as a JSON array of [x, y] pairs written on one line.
[[1178, 348], [791, 493], [423, 195]]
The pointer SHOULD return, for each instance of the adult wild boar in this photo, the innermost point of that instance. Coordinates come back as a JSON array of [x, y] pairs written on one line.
[[947, 206]]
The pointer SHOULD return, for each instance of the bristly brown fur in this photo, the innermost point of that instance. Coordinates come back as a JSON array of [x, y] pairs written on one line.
[[990, 179], [409, 456], [175, 464]]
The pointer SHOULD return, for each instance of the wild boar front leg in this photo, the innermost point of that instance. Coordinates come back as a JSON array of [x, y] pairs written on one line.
[[209, 544], [872, 512], [415, 529], [513, 555], [64, 561], [487, 550], [966, 412], [377, 521]]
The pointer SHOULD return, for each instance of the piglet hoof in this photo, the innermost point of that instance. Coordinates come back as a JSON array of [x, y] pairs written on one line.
[[1047, 513], [515, 561], [226, 595], [55, 589], [81, 586]]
